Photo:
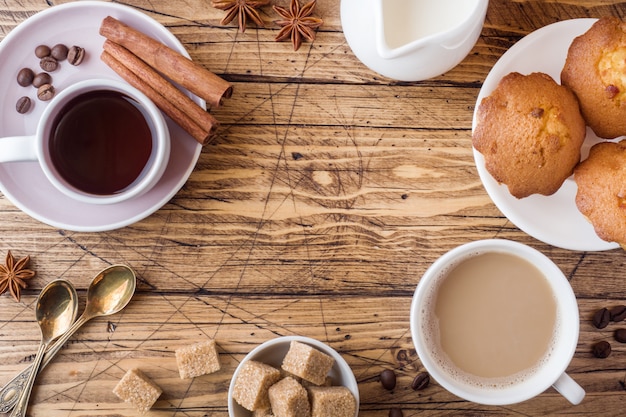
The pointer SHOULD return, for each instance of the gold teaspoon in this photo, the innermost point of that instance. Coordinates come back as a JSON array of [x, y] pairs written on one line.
[[55, 311]]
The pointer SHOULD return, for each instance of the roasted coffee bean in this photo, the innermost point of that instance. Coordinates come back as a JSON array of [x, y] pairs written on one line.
[[25, 77], [41, 79], [23, 105], [59, 52], [45, 92], [388, 379], [396, 412], [420, 381], [620, 335], [75, 55], [602, 318], [618, 313], [602, 349], [42, 51], [48, 64]]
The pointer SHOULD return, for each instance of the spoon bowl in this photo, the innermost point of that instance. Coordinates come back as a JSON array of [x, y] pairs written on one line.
[[56, 309], [109, 292]]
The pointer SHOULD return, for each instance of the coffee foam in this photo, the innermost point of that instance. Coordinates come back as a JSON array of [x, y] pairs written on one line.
[[429, 326]]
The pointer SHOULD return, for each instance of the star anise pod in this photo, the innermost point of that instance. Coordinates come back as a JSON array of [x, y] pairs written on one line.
[[297, 23], [14, 274], [243, 9]]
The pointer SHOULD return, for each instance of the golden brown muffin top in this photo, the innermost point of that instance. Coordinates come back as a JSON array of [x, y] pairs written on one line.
[[601, 195], [530, 132], [595, 69]]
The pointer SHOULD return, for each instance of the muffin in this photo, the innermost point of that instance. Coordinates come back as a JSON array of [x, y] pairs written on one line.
[[530, 132], [601, 195], [594, 69]]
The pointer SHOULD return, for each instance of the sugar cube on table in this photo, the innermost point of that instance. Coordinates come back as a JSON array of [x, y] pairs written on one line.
[[138, 390], [289, 399], [307, 362], [252, 385], [197, 359], [334, 401]]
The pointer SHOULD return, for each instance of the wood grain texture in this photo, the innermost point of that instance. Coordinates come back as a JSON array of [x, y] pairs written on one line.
[[327, 193]]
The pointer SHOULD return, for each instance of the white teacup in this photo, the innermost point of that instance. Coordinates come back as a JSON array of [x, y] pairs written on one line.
[[427, 315], [116, 158]]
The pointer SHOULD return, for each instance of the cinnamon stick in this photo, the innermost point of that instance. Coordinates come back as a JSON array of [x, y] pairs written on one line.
[[172, 64], [151, 77], [201, 134]]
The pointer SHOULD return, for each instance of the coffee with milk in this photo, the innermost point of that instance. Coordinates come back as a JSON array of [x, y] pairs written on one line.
[[494, 318]]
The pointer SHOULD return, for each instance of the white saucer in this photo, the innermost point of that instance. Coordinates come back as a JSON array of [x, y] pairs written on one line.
[[24, 183], [552, 219]]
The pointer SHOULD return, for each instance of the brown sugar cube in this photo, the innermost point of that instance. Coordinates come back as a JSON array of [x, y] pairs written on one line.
[[137, 389], [262, 412], [198, 359], [332, 401], [285, 374], [327, 383], [307, 362], [253, 381], [289, 399]]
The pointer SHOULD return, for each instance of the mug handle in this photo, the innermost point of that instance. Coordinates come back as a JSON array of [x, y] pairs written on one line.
[[18, 148], [569, 388]]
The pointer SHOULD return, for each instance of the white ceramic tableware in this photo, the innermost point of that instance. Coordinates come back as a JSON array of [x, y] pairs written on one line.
[[23, 183], [272, 353], [553, 219], [550, 371], [412, 40], [37, 147]]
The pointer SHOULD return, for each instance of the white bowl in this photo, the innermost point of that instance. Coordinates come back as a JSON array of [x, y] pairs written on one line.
[[272, 353]]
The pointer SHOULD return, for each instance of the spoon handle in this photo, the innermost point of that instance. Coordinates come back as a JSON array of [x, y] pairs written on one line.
[[10, 393], [22, 401]]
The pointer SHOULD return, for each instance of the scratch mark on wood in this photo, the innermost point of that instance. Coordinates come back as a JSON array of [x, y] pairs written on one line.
[[578, 263], [81, 246]]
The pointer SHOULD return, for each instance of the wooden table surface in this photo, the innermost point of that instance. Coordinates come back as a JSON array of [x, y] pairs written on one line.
[[327, 193]]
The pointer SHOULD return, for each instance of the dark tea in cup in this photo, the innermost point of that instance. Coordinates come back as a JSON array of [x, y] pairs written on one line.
[[98, 141], [101, 141]]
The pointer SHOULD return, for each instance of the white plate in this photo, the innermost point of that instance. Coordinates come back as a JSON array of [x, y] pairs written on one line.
[[552, 219], [24, 183]]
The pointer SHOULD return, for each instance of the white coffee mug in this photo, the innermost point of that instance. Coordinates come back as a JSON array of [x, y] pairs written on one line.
[[551, 369], [144, 176]]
